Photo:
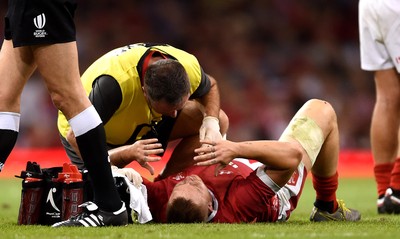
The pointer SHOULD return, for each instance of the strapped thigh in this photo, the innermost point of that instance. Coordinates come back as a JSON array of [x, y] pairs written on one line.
[[307, 133]]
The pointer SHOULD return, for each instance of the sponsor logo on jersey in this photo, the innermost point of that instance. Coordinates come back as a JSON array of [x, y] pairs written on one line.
[[40, 21], [293, 180], [226, 172]]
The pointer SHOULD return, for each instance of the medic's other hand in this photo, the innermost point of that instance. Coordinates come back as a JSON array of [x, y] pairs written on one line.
[[130, 173]]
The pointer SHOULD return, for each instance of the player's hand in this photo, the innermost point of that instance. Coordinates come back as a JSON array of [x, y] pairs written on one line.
[[210, 130], [218, 152], [144, 151], [130, 173]]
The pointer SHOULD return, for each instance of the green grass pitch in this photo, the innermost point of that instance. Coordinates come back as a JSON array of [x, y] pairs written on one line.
[[357, 193]]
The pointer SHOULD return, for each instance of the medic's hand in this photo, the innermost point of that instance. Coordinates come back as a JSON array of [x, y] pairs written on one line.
[[209, 130], [130, 173]]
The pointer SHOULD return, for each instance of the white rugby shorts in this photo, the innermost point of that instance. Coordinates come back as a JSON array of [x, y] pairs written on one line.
[[379, 28]]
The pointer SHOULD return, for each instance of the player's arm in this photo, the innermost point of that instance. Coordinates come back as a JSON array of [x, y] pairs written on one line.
[[280, 158], [106, 97]]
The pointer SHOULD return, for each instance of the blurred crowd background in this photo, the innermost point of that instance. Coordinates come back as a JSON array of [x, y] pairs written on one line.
[[268, 56]]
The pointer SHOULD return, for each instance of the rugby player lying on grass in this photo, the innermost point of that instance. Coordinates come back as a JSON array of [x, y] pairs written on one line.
[[223, 189]]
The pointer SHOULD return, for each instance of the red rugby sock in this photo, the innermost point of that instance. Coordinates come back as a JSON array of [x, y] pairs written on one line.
[[325, 188], [382, 174], [395, 176]]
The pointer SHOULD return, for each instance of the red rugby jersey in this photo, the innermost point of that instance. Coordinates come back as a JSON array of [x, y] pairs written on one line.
[[241, 195]]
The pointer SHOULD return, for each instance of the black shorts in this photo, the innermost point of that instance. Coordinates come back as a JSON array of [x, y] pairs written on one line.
[[34, 22]]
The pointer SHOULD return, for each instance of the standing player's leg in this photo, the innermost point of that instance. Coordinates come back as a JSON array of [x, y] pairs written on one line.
[[58, 64], [384, 127], [379, 49], [391, 200], [16, 66]]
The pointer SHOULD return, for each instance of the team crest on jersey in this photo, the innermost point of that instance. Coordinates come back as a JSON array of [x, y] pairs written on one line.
[[40, 21], [275, 203]]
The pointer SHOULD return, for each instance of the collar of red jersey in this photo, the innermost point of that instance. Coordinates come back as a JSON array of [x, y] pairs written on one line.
[[215, 206]]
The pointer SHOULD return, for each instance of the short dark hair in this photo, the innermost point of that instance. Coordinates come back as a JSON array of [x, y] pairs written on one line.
[[167, 80], [182, 210]]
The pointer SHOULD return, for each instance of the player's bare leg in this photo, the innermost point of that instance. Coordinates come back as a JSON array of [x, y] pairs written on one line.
[[317, 131]]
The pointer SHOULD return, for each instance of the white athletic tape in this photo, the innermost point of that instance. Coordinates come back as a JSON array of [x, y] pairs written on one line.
[[307, 133]]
